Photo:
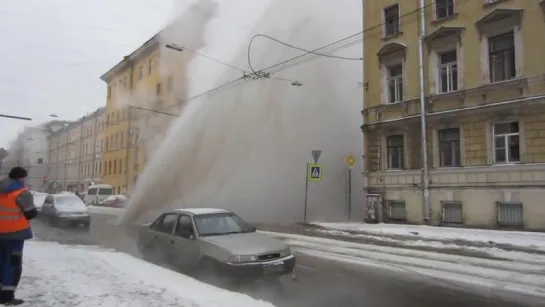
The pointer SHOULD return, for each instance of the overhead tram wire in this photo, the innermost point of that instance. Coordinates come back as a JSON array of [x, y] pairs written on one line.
[[308, 52], [293, 47]]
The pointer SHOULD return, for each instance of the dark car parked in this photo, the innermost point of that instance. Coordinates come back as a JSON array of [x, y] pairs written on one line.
[[65, 209]]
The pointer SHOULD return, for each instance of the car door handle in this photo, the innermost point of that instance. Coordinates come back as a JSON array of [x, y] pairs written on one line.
[[171, 241]]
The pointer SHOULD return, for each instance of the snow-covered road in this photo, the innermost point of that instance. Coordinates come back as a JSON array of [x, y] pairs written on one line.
[[517, 275], [58, 275], [490, 271]]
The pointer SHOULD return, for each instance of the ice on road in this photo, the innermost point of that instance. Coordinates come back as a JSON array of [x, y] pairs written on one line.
[[56, 275], [532, 240]]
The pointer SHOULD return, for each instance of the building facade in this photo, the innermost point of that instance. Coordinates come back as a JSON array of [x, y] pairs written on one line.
[[30, 150], [63, 157], [91, 147], [483, 94], [129, 84], [146, 92]]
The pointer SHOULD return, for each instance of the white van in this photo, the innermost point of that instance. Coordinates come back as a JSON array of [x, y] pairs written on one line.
[[97, 193]]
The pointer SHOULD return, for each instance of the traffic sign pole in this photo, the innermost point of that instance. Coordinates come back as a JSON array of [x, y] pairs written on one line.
[[306, 192], [310, 176], [350, 162], [349, 194]]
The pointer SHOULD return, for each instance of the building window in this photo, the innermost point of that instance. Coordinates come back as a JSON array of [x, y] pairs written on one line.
[[158, 89], [122, 136], [449, 147], [395, 83], [109, 94], [140, 72], [391, 20], [394, 151], [444, 8], [150, 66], [115, 167], [169, 84], [40, 161], [120, 167], [448, 71], [109, 167], [502, 57], [506, 142]]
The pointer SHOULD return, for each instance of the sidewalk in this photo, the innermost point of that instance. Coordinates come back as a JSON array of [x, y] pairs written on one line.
[[508, 240], [58, 275]]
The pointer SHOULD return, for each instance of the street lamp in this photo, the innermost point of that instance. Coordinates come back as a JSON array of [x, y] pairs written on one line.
[[174, 47]]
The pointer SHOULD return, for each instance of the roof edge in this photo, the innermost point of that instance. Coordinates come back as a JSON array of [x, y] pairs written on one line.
[[150, 43]]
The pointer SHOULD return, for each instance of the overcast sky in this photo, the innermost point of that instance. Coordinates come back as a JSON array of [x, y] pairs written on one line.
[[54, 52]]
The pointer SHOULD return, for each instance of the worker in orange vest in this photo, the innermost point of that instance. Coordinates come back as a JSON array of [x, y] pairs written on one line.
[[16, 209]]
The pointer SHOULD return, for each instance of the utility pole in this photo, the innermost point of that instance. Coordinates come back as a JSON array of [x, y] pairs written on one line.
[[95, 131], [423, 111], [65, 185], [127, 157], [80, 152]]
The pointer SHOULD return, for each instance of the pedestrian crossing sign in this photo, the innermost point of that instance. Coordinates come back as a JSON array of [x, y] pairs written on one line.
[[315, 172]]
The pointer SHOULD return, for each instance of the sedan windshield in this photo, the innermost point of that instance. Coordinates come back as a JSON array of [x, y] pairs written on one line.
[[220, 224]]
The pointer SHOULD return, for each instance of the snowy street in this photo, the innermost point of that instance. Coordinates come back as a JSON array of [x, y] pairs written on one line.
[[328, 273]]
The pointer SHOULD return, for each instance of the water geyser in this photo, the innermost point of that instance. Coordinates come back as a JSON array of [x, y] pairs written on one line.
[[245, 147]]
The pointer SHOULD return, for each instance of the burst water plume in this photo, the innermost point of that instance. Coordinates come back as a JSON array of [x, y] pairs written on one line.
[[245, 147]]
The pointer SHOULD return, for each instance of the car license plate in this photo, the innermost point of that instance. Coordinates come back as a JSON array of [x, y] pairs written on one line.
[[274, 267]]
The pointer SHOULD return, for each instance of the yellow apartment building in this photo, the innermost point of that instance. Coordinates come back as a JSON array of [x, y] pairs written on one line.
[[484, 114], [145, 93], [139, 108], [136, 71]]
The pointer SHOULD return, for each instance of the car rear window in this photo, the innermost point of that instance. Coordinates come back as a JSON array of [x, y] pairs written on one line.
[[105, 191]]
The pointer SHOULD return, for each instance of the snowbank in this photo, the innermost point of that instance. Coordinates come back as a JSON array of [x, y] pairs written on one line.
[[58, 275], [532, 240]]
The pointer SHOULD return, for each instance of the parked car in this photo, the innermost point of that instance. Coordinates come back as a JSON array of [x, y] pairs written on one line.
[[214, 241], [97, 193], [114, 201], [39, 199], [65, 209]]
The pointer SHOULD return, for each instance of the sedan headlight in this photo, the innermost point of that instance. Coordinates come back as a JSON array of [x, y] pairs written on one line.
[[285, 253], [242, 258]]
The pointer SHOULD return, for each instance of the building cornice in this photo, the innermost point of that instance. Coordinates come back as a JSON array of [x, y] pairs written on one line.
[[149, 45]]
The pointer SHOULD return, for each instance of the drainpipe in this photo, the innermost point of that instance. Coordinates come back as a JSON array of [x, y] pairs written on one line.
[[423, 121], [364, 137], [80, 152]]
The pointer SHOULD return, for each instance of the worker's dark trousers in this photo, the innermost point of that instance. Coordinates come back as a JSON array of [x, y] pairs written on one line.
[[11, 267]]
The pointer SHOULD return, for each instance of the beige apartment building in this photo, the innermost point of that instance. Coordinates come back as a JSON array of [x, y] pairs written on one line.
[[91, 146], [483, 94], [72, 158]]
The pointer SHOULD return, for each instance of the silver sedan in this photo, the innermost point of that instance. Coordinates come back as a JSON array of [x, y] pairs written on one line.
[[214, 240]]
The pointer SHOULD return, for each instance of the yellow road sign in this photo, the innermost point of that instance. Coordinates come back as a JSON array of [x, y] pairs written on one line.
[[314, 172], [350, 160]]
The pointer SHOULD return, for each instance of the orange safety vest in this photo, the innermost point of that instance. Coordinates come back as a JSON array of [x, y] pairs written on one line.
[[11, 215]]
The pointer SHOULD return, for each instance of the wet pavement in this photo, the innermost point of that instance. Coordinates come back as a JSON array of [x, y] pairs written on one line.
[[318, 282]]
